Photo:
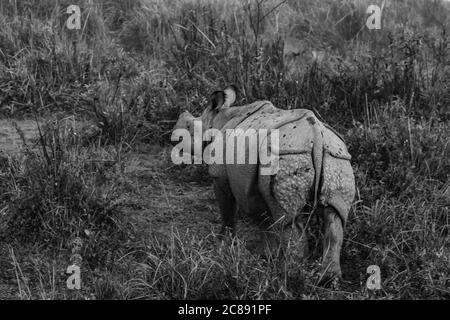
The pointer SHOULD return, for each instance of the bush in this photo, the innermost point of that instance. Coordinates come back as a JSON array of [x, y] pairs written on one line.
[[55, 196]]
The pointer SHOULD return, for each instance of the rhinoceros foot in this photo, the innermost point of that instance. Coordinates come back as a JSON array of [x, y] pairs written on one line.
[[331, 278]]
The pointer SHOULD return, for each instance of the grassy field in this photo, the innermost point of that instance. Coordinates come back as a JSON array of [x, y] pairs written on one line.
[[85, 154]]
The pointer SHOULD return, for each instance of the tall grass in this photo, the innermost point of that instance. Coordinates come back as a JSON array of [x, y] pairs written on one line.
[[136, 64]]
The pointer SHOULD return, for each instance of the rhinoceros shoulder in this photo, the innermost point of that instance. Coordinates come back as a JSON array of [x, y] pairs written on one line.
[[237, 115]]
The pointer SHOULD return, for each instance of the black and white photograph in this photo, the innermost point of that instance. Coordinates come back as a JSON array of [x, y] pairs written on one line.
[[223, 156]]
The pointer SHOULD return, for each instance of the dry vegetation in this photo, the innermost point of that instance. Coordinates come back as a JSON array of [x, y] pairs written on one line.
[[104, 98]]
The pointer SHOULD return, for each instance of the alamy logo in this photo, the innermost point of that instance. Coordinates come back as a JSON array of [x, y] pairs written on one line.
[[374, 280], [374, 20], [73, 282], [234, 146], [74, 21]]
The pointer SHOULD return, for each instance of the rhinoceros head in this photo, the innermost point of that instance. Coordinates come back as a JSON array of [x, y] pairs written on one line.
[[186, 121], [184, 129], [212, 117]]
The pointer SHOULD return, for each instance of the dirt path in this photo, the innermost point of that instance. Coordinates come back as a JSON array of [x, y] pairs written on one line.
[[10, 143], [163, 196], [10, 139], [167, 197]]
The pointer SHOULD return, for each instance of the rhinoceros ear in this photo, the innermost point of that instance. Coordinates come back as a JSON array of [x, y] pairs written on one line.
[[230, 95], [224, 98], [217, 99]]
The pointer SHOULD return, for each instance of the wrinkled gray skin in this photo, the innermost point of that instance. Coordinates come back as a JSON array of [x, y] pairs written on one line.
[[274, 202]]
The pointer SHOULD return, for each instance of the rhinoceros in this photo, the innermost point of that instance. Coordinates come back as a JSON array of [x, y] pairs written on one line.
[[313, 167]]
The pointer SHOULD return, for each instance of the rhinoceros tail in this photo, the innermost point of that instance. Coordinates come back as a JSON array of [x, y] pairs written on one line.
[[317, 153]]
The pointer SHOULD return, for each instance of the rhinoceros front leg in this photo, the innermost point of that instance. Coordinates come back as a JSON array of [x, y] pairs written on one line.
[[333, 238], [227, 206]]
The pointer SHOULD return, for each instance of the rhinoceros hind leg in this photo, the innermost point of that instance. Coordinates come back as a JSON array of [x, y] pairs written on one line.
[[332, 243], [283, 236], [227, 206]]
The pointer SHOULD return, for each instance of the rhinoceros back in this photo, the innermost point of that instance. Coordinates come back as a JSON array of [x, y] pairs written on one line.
[[295, 133], [299, 133]]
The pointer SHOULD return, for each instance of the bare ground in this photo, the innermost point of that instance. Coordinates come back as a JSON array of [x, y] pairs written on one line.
[[10, 139]]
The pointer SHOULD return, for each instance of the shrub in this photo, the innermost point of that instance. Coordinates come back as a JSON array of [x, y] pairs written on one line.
[[55, 197]]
